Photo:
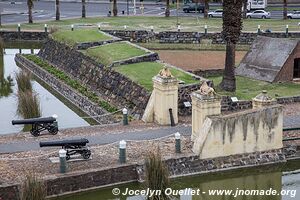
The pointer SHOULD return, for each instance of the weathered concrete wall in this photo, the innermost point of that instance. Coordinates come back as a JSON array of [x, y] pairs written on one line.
[[239, 133], [15, 36]]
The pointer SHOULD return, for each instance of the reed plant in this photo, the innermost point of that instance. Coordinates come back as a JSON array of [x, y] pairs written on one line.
[[23, 80], [157, 175], [29, 105], [33, 188]]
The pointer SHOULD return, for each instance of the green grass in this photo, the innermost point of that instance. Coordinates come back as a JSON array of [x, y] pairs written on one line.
[[142, 73], [248, 88], [71, 82], [79, 35], [106, 54], [160, 23]]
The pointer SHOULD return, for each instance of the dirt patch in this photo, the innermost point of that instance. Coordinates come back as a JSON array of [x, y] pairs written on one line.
[[195, 60]]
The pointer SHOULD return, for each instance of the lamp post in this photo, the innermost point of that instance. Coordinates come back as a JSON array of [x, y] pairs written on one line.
[[134, 9]]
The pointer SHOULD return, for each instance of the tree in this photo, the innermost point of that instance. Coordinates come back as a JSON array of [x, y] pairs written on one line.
[[232, 26], [167, 12], [245, 3], [206, 8], [57, 10], [285, 9], [83, 15], [115, 9], [30, 6]]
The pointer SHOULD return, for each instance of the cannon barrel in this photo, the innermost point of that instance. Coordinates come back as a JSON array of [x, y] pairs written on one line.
[[34, 120], [75, 142]]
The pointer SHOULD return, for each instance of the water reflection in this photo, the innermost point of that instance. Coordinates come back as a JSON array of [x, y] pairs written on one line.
[[6, 83], [261, 179]]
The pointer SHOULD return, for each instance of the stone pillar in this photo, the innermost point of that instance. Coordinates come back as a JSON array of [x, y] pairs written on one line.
[[203, 106], [263, 100], [165, 90]]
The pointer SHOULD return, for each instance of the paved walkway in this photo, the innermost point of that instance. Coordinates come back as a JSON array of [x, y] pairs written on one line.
[[103, 139], [288, 122]]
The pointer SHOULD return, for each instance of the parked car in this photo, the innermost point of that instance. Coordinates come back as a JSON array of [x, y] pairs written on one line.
[[191, 7], [259, 14], [216, 13], [294, 15]]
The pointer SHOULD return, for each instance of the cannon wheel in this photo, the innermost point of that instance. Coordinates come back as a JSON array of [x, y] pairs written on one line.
[[35, 132], [86, 154], [53, 130]]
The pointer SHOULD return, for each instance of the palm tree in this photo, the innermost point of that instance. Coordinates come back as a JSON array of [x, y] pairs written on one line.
[[167, 12], [285, 9], [83, 15], [57, 10], [232, 26], [206, 8], [30, 6], [115, 9]]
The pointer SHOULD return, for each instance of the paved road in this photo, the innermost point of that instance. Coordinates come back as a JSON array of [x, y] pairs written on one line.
[[104, 139], [45, 10]]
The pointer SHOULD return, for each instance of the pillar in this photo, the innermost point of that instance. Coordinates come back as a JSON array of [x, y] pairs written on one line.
[[263, 100]]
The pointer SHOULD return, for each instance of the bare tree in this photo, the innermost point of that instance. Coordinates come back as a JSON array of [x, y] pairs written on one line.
[[167, 12], [115, 9], [30, 6], [57, 17], [232, 26], [83, 13], [285, 2]]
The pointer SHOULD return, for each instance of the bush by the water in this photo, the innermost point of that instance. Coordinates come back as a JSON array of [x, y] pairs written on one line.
[[23, 80], [29, 105], [157, 175], [33, 188]]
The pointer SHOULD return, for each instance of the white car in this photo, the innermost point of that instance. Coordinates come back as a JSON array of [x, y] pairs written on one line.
[[216, 13], [261, 14], [294, 15]]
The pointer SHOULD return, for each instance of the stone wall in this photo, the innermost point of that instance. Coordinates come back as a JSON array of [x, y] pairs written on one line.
[[208, 72], [74, 97], [133, 35], [239, 133], [23, 35], [180, 165], [107, 83]]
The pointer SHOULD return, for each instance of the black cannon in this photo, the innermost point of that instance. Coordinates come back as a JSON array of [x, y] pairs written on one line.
[[71, 146], [39, 124]]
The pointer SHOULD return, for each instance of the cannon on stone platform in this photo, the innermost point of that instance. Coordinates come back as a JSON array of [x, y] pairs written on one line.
[[75, 146], [39, 124]]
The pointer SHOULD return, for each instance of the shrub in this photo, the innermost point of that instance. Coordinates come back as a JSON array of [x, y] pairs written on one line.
[[23, 80], [29, 105]]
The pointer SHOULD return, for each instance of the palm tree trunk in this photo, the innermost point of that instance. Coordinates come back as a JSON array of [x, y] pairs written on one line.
[[57, 10], [245, 9], [228, 82], [30, 6], [167, 13], [115, 9], [83, 15], [206, 7], [285, 9]]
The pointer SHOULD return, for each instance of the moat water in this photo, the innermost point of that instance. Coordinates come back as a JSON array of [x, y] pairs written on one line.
[[51, 103], [284, 177]]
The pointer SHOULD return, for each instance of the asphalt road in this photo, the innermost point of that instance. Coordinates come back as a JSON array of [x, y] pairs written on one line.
[[15, 11]]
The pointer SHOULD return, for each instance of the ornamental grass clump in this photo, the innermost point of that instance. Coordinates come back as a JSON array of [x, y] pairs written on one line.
[[33, 188], [23, 80], [29, 105], [157, 175]]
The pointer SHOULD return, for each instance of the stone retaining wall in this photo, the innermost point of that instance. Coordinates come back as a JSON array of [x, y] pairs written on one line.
[[74, 97], [133, 35], [180, 165], [29, 36]]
